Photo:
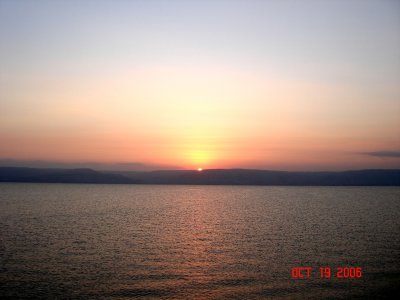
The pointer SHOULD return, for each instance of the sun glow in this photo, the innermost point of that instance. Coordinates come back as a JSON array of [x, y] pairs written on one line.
[[196, 158], [200, 169]]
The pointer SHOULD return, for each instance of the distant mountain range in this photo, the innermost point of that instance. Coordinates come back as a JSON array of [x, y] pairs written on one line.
[[390, 177], [48, 164]]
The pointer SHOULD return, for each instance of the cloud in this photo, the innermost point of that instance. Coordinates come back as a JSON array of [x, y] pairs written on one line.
[[383, 154]]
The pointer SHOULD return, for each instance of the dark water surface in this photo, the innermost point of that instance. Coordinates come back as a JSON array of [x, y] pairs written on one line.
[[77, 241]]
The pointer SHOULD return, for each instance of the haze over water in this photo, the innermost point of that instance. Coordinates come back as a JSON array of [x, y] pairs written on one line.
[[77, 241]]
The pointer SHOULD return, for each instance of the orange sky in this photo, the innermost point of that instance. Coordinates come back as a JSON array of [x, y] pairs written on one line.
[[250, 100]]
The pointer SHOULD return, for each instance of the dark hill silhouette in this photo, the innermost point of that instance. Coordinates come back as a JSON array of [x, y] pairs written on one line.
[[265, 177], [211, 177], [13, 174]]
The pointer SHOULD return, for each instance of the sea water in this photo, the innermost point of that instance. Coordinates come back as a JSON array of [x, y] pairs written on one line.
[[83, 241]]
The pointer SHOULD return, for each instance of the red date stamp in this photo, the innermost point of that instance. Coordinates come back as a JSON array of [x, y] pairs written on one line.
[[327, 272]]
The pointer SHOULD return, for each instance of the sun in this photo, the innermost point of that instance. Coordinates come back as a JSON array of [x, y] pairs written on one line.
[[200, 169]]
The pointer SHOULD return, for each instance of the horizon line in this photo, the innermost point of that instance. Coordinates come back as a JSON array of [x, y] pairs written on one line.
[[205, 169]]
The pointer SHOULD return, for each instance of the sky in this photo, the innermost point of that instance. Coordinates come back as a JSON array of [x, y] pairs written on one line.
[[284, 85]]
